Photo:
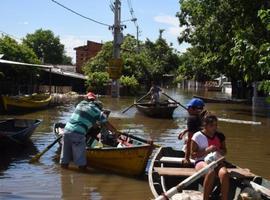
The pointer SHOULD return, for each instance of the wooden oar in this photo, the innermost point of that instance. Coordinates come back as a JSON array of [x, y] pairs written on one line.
[[237, 121], [38, 155], [178, 188], [134, 103], [174, 101], [141, 139]]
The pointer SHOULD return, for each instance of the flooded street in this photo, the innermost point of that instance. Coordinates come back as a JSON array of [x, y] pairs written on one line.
[[247, 147]]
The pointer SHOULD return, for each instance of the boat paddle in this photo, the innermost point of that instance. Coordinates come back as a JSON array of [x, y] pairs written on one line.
[[135, 103], [141, 139], [178, 188], [38, 155], [220, 119], [174, 101]]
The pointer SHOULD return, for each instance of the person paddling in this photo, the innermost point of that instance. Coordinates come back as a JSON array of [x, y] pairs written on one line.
[[87, 113], [208, 145], [154, 92], [194, 123]]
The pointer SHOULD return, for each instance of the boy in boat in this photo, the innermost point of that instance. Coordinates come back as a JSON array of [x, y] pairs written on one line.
[[206, 145], [87, 113], [154, 92], [194, 123]]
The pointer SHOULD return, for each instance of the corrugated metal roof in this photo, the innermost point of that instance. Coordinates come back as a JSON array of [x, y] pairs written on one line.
[[24, 64], [47, 68], [66, 73]]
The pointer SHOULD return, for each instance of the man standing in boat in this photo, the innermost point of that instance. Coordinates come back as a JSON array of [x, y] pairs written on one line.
[[87, 113], [154, 92], [194, 123]]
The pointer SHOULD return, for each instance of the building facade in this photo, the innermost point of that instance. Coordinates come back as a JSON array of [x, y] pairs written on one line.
[[84, 53]]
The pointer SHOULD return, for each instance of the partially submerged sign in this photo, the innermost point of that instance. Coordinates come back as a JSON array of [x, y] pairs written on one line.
[[115, 68]]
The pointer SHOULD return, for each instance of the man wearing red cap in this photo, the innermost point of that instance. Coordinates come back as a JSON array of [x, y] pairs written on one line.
[[87, 113]]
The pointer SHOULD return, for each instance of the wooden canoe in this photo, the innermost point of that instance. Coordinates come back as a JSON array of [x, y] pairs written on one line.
[[222, 100], [25, 103], [166, 171], [162, 110], [17, 131], [130, 161]]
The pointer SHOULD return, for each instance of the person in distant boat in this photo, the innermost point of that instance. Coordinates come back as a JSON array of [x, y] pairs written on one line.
[[194, 123], [154, 92], [87, 113], [208, 145]]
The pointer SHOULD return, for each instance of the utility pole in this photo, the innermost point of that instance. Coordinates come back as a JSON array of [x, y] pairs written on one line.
[[137, 38], [117, 41]]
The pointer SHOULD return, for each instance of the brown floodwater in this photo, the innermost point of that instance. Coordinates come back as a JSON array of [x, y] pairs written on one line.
[[247, 147]]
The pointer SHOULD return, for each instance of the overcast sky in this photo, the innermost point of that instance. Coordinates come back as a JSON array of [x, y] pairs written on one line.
[[19, 17]]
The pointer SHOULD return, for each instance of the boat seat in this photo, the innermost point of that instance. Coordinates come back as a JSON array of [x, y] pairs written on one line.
[[188, 194], [174, 160], [172, 171]]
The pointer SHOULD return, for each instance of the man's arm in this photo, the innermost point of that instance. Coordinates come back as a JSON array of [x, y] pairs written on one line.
[[187, 155], [111, 128], [223, 149], [181, 134]]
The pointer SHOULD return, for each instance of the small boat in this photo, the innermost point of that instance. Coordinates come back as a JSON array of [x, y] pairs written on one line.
[[129, 160], [161, 110], [214, 89], [17, 131], [222, 100], [25, 103], [166, 171]]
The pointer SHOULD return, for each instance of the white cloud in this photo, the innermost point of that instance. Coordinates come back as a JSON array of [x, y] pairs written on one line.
[[172, 23], [24, 23]]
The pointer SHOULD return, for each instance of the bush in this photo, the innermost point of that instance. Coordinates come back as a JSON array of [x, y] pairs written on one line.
[[96, 81], [130, 84]]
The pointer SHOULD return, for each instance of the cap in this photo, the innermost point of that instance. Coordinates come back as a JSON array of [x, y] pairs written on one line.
[[195, 102], [91, 95]]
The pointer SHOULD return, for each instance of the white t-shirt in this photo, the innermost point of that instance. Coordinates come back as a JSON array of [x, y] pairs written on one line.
[[201, 141]]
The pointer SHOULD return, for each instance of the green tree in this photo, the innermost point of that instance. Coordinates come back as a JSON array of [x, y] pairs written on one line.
[[96, 81], [14, 51], [47, 46], [152, 61], [228, 35], [130, 83]]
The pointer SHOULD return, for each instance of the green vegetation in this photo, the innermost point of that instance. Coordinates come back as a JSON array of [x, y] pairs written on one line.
[[14, 51], [228, 37], [140, 66], [130, 83], [97, 80], [47, 47]]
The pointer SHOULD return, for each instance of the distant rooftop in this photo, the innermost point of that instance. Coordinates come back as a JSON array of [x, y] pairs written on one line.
[[65, 70], [89, 43]]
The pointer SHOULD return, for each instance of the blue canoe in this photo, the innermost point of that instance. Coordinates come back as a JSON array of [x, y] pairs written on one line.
[[17, 130]]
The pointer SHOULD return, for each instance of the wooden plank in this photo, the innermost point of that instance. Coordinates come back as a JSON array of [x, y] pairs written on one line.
[[189, 180], [260, 188], [174, 160], [188, 194], [173, 171], [237, 121], [240, 173]]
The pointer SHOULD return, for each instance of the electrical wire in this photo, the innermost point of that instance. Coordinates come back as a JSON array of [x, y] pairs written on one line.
[[76, 13]]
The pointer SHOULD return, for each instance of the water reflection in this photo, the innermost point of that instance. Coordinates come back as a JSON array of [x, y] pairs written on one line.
[[247, 147]]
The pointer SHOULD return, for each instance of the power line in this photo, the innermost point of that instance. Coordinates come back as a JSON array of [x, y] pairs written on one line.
[[76, 13], [131, 11]]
